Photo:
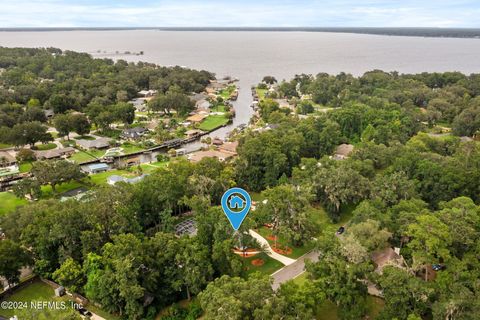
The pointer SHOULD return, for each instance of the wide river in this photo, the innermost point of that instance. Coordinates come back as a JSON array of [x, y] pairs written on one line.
[[251, 55]]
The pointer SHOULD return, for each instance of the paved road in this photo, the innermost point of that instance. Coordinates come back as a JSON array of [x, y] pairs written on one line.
[[293, 270]]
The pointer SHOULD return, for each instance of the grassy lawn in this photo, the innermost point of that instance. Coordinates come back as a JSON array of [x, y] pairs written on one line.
[[213, 122], [327, 310], [40, 291], [261, 93], [227, 92], [84, 138], [269, 267], [9, 202], [130, 148], [47, 191], [282, 243], [84, 156], [101, 178], [4, 146], [219, 108], [43, 147], [25, 167], [150, 167]]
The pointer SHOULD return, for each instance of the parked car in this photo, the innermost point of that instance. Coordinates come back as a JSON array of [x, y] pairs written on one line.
[[438, 267], [340, 230], [84, 312]]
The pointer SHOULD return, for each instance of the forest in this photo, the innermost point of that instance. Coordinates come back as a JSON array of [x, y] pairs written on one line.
[[410, 183]]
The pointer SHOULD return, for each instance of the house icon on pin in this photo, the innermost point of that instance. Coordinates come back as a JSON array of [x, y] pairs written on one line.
[[236, 202]]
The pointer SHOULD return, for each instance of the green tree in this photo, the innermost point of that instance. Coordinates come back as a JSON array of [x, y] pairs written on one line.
[[430, 241], [70, 275], [80, 124], [287, 210], [56, 172], [12, 258]]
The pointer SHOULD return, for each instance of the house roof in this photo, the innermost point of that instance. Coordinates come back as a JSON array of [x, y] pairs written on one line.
[[7, 156], [98, 143], [230, 147], [386, 257], [98, 166], [55, 153], [196, 118], [344, 149], [134, 130], [197, 156], [198, 96], [192, 132]]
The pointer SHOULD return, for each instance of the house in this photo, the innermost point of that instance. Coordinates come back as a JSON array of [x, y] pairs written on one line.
[[193, 133], [6, 159], [96, 168], [229, 147], [198, 97], [134, 133], [236, 202], [112, 180], [197, 118], [55, 153], [203, 104], [197, 156], [343, 151], [100, 143], [147, 93], [387, 257]]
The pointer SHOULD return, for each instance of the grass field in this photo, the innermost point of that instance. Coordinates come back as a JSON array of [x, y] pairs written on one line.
[[219, 108], [40, 291], [261, 93], [4, 146], [227, 92], [25, 167], [281, 243], [82, 156], [8, 202], [269, 267], [130, 148], [46, 146], [213, 122]]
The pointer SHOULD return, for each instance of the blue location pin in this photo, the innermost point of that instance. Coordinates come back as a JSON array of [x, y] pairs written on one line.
[[236, 203]]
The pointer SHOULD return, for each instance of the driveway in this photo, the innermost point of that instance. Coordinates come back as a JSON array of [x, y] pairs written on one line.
[[293, 270], [268, 250]]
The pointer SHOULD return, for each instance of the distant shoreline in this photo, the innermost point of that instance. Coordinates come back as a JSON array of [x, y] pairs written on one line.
[[411, 32]]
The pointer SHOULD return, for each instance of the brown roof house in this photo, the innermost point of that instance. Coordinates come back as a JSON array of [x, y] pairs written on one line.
[[100, 143], [6, 159], [55, 153], [229, 147], [197, 118], [222, 156], [387, 257], [343, 151]]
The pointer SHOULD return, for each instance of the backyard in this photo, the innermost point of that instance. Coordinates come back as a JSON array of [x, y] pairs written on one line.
[[8, 202], [212, 122], [40, 291]]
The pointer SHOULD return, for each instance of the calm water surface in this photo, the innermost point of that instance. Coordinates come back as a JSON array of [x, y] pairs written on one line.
[[251, 55]]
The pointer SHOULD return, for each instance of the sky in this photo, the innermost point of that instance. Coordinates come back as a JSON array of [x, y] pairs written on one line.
[[240, 13]]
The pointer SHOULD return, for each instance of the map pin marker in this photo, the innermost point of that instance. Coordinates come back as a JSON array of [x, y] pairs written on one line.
[[236, 203]]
